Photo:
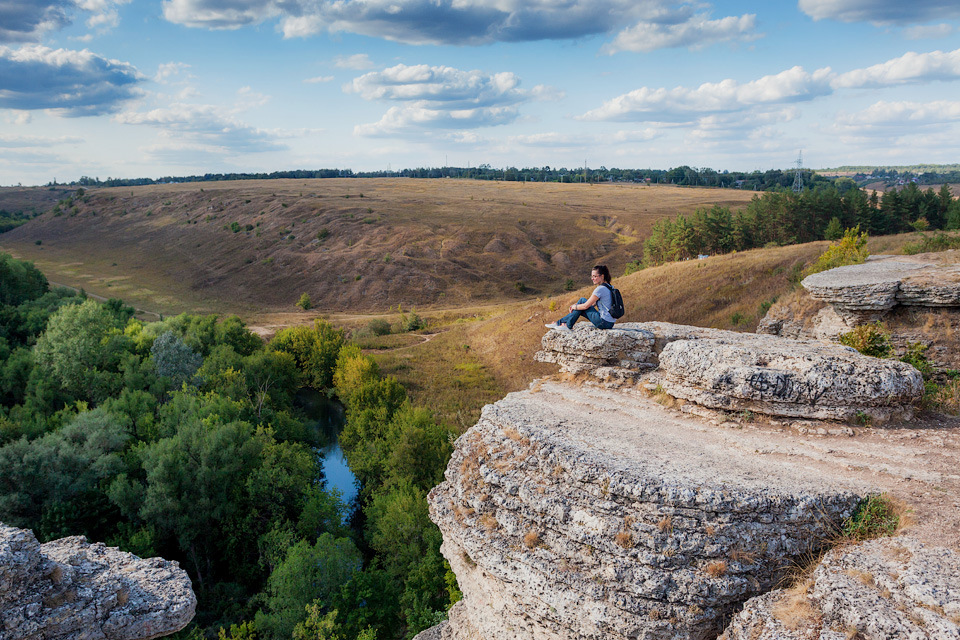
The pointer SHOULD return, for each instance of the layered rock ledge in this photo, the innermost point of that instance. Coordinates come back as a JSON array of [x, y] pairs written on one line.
[[881, 589], [70, 589], [866, 292], [571, 512], [741, 371]]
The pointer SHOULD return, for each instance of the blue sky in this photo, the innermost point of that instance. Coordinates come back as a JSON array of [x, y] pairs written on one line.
[[134, 88]]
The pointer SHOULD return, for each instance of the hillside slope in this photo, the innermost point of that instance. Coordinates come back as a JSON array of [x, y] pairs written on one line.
[[351, 244]]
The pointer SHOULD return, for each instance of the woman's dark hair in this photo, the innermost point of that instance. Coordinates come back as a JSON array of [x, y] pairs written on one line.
[[602, 270]]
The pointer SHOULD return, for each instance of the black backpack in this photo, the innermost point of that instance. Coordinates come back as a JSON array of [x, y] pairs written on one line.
[[616, 309]]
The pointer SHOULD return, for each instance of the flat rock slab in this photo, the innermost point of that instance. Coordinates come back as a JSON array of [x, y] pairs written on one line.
[[632, 346], [778, 376], [575, 512], [70, 589], [881, 589], [926, 280]]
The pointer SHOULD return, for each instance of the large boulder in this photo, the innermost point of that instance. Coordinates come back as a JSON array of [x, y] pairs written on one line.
[[777, 376], [881, 589], [70, 589], [579, 512]]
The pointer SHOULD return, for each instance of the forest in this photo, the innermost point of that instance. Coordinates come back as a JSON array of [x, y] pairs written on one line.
[[784, 217], [183, 438]]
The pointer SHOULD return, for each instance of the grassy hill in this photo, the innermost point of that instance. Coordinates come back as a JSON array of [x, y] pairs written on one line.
[[353, 245]]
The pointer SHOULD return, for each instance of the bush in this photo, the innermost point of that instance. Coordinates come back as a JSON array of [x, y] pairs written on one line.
[[916, 355], [932, 244], [868, 339], [876, 516], [304, 302], [379, 327], [851, 249]]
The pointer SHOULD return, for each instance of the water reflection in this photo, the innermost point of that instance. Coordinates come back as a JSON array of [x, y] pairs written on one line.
[[325, 418]]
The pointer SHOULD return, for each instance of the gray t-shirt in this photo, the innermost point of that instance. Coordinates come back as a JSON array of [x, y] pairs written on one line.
[[604, 302]]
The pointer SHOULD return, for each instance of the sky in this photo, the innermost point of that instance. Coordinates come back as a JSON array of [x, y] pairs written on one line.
[[147, 88]]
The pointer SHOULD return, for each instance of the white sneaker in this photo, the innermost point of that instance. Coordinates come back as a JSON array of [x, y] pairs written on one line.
[[558, 327]]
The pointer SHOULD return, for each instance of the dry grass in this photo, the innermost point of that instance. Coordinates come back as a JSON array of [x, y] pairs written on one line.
[[436, 243], [531, 539], [624, 539], [716, 569], [743, 557], [488, 522], [665, 525], [793, 609]]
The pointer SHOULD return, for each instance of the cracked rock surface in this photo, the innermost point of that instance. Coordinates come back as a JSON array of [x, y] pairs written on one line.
[[586, 513], [69, 589], [880, 589]]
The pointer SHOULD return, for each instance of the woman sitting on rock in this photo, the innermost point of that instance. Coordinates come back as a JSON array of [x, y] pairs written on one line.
[[596, 307]]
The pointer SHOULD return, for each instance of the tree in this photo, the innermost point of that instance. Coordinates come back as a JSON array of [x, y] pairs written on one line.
[[314, 349], [310, 574], [174, 359], [304, 302], [833, 231], [71, 350]]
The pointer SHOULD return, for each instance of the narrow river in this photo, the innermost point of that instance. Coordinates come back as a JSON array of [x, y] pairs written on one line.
[[325, 419]]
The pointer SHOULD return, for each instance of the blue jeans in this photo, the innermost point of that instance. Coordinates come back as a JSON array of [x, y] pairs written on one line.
[[593, 315]]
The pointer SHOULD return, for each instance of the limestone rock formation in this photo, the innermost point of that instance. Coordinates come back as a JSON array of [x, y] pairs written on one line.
[[886, 588], [579, 512], [70, 589], [741, 371], [865, 292], [789, 378]]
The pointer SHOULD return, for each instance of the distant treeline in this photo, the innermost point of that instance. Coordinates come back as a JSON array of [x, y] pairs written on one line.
[[786, 217], [923, 174], [682, 175]]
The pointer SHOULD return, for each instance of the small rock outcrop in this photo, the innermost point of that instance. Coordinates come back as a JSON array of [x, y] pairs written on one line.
[[741, 371], [866, 292], [70, 589], [881, 589], [575, 513]]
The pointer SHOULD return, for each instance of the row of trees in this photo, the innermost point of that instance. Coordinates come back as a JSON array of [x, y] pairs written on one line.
[[182, 438], [785, 217], [682, 175]]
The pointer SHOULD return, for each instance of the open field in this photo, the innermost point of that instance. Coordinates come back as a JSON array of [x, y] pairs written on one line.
[[362, 245]]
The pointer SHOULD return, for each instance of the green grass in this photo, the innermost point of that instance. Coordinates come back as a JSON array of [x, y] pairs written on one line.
[[876, 516]]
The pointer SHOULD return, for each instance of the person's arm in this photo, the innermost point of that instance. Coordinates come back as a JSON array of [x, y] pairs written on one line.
[[592, 300]]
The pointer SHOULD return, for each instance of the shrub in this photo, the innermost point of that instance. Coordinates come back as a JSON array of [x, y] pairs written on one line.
[[379, 327], [235, 226], [850, 249], [304, 302], [323, 233], [569, 286], [932, 244], [876, 516], [916, 355], [868, 339], [834, 230], [633, 267]]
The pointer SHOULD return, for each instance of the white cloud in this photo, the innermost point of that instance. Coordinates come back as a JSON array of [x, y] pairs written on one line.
[[318, 79], [105, 15], [696, 33], [28, 20], [75, 83], [880, 116], [929, 32], [169, 70], [204, 125], [881, 12], [357, 62], [250, 99], [683, 104], [414, 119], [472, 22], [17, 142], [441, 98], [219, 14], [911, 67]]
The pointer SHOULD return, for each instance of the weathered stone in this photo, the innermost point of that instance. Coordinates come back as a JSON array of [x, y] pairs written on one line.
[[881, 589], [789, 378], [573, 512], [630, 345], [69, 589], [865, 292]]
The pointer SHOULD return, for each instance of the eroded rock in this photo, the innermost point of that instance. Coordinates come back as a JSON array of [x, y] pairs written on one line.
[[784, 377], [571, 512], [70, 589], [881, 589], [866, 292]]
